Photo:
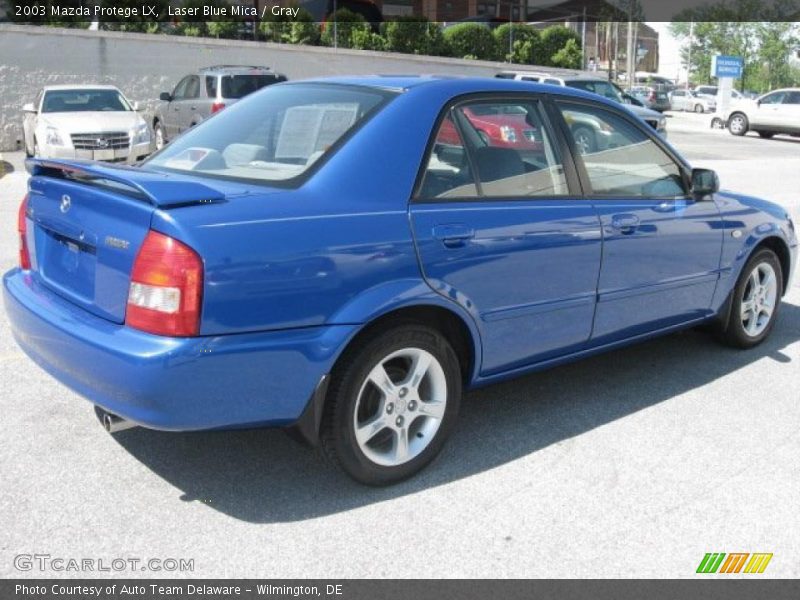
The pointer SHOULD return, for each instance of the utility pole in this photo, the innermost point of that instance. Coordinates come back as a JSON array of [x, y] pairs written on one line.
[[583, 40], [689, 61], [629, 54]]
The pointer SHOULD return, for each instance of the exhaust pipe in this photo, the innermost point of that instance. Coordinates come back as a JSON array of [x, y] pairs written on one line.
[[112, 423]]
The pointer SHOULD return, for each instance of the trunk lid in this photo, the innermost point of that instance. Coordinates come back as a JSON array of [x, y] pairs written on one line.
[[88, 223]]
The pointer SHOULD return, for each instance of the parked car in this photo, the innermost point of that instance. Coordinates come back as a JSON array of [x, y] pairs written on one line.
[[712, 90], [692, 101], [653, 98], [199, 95], [95, 122], [597, 85], [501, 126], [773, 113], [312, 258]]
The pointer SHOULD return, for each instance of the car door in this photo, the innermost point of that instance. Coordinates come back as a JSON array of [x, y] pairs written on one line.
[[768, 111], [791, 107], [661, 247], [175, 108], [499, 230], [191, 104]]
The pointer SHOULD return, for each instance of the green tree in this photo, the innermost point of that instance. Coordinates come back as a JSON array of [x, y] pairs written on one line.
[[340, 26], [412, 35], [276, 28], [569, 57], [303, 30], [554, 40], [469, 40], [366, 39], [518, 43], [140, 23]]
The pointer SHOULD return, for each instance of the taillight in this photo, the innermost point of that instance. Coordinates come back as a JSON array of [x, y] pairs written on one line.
[[217, 106], [22, 228], [166, 288]]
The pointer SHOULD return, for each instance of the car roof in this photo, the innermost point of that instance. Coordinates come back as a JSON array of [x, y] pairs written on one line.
[[455, 86], [49, 88], [235, 69]]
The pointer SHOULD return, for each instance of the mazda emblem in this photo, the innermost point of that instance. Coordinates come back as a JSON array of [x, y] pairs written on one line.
[[66, 202]]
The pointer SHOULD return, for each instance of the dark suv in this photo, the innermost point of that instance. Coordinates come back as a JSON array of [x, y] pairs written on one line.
[[200, 95]]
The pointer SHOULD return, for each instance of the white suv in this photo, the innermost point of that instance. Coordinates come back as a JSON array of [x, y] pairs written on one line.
[[773, 113], [597, 85]]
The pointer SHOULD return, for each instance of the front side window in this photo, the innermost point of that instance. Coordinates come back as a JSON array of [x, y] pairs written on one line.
[[84, 100], [774, 98], [620, 159], [493, 149], [179, 93], [273, 136]]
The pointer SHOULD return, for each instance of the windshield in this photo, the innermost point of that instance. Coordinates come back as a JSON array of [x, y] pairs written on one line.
[[56, 101], [274, 135], [603, 88], [238, 86]]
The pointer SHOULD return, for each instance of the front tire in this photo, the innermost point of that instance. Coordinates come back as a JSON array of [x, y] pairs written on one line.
[[393, 400], [738, 124], [584, 140], [756, 300], [698, 108]]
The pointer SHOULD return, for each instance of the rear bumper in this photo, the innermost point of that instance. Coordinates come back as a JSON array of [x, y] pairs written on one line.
[[171, 383]]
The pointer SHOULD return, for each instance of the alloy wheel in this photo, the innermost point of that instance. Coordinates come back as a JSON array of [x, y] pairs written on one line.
[[758, 301], [400, 407]]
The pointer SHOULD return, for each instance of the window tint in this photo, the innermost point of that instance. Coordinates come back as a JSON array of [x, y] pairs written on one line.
[[180, 90], [505, 142], [193, 87], [505, 76], [620, 159], [84, 100], [793, 98], [774, 98], [448, 173], [273, 136], [238, 86], [211, 86], [603, 88]]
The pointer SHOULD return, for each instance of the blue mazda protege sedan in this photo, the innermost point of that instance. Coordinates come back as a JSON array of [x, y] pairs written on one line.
[[345, 256]]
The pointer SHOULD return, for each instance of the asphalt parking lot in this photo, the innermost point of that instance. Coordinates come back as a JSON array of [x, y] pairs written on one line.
[[630, 464]]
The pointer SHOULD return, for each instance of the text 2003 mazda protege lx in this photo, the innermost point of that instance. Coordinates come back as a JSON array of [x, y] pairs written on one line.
[[345, 256]]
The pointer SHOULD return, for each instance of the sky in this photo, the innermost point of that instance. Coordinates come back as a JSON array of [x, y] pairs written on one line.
[[669, 63]]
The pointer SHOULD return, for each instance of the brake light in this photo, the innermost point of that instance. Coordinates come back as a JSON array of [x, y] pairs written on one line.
[[166, 288], [22, 228], [217, 106]]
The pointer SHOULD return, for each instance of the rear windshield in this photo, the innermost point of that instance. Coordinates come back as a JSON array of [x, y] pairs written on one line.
[[273, 136], [238, 86], [83, 101]]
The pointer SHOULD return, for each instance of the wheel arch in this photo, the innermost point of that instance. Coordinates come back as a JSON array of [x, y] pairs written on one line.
[[433, 311], [779, 246]]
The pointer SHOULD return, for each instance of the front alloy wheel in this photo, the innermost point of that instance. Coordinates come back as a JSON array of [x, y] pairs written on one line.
[[738, 124], [391, 404], [755, 302]]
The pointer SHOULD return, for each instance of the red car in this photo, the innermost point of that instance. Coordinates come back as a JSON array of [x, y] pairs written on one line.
[[507, 129]]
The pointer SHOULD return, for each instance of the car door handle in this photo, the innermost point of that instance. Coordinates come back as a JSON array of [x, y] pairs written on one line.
[[453, 236], [625, 223], [194, 108]]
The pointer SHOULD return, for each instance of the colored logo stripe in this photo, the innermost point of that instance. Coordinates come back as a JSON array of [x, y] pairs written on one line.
[[734, 562]]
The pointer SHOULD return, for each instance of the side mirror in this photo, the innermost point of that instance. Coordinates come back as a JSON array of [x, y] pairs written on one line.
[[29, 108], [165, 97], [704, 183]]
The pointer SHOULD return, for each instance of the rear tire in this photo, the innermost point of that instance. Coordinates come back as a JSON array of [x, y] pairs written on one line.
[[585, 140], [738, 124], [755, 302], [393, 401], [698, 108]]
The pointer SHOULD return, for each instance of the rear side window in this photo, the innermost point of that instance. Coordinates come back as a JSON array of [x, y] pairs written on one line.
[[211, 86], [493, 149], [238, 86], [620, 159]]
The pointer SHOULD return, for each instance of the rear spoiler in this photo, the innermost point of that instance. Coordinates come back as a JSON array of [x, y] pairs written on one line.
[[162, 190]]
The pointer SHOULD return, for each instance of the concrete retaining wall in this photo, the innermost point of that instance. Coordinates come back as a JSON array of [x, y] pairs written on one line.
[[143, 65]]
